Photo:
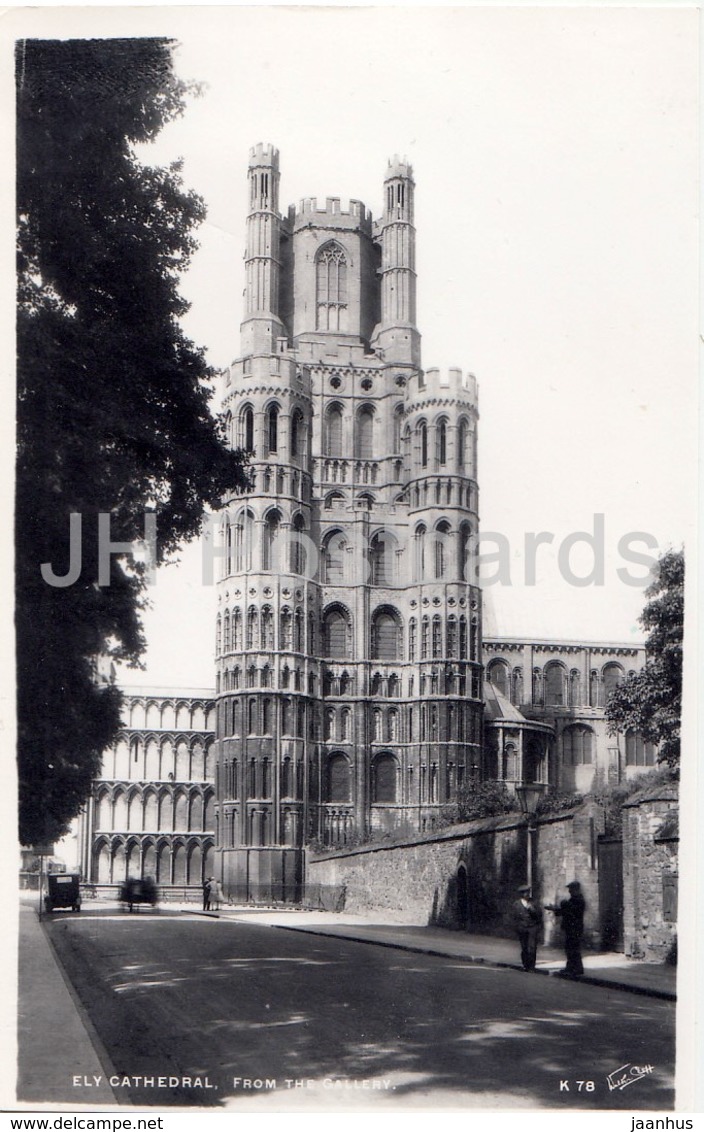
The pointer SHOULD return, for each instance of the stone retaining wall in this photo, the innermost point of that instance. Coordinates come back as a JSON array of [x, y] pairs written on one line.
[[466, 877], [650, 855]]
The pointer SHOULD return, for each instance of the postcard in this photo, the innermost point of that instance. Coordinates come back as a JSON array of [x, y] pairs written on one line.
[[356, 453]]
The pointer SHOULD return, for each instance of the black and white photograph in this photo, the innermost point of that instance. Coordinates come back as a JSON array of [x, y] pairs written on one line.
[[353, 477]]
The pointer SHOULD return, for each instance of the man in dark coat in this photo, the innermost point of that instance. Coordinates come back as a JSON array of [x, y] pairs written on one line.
[[571, 913], [527, 922]]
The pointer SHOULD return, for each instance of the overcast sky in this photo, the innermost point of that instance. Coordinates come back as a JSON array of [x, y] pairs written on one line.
[[555, 158]]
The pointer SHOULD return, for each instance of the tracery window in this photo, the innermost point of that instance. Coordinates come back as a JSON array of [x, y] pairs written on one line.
[[331, 287]]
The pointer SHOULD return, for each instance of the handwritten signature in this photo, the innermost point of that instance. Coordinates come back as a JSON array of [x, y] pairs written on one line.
[[626, 1075]]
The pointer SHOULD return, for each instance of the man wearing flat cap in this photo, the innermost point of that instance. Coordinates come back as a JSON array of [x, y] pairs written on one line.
[[571, 913], [527, 922]]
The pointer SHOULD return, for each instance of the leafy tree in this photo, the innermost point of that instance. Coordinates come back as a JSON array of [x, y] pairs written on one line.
[[651, 700], [113, 399]]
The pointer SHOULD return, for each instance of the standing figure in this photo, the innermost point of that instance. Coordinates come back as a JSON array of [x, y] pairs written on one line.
[[527, 921], [571, 912], [217, 896], [207, 894]]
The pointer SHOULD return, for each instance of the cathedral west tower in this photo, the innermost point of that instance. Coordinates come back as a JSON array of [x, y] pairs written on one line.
[[349, 624]]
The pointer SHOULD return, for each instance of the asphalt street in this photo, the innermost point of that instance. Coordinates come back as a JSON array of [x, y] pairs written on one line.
[[252, 1016]]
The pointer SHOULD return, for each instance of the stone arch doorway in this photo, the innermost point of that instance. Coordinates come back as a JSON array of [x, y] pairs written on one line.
[[462, 904]]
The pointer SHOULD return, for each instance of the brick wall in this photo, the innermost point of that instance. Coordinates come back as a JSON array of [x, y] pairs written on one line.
[[650, 853], [421, 880]]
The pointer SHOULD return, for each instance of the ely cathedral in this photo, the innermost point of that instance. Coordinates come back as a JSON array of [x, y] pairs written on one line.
[[348, 642], [354, 694]]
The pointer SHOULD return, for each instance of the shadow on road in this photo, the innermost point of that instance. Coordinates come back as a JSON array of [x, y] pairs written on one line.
[[230, 1003]]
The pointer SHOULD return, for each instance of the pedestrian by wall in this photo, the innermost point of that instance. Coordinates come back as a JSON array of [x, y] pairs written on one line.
[[527, 919], [571, 915]]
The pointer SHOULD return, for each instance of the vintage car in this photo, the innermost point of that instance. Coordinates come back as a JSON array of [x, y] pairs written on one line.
[[135, 892], [64, 892]]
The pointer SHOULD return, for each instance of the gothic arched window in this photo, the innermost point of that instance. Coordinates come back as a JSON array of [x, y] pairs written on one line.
[[386, 636], [638, 752], [437, 635], [271, 532], [331, 287], [272, 428], [333, 431], [298, 550], [384, 774], [462, 432], [336, 633], [382, 553], [420, 552], [442, 547], [612, 676], [298, 434], [247, 429], [423, 443], [338, 779], [398, 421], [441, 443], [554, 685], [497, 675], [364, 438], [243, 539], [577, 745], [334, 558]]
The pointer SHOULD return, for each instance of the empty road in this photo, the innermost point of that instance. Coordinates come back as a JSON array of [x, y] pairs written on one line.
[[243, 1016]]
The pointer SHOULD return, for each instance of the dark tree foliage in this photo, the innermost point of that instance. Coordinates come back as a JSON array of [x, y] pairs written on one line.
[[113, 399], [485, 799], [651, 700]]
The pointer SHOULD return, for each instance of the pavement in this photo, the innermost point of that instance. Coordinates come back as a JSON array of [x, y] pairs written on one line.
[[51, 1020], [602, 969], [48, 1006]]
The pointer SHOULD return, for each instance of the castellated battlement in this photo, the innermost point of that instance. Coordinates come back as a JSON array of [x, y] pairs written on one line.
[[437, 383], [399, 167], [263, 153], [262, 371], [334, 214]]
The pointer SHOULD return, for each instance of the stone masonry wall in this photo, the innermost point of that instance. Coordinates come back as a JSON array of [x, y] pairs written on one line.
[[421, 881], [650, 874]]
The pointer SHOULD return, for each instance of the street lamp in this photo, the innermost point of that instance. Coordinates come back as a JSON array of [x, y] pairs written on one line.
[[529, 795]]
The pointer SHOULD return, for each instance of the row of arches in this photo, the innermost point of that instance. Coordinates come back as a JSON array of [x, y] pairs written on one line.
[[168, 715], [254, 778], [277, 433], [430, 782], [440, 492], [578, 743], [555, 685], [170, 861], [255, 824], [152, 810], [146, 758], [260, 629], [443, 443], [267, 544], [255, 715]]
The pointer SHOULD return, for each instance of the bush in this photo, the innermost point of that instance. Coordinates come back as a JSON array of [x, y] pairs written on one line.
[[558, 802], [485, 800]]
